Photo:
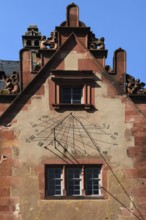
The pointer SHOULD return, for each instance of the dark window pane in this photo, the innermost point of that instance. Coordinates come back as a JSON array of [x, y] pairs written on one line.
[[54, 180], [73, 177], [92, 180], [71, 95]]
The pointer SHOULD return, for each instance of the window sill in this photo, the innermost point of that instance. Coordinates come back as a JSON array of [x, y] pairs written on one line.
[[74, 197], [66, 105]]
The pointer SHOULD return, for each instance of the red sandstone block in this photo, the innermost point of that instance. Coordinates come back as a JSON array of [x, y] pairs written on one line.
[[8, 217], [131, 113], [143, 204], [136, 173], [42, 194], [5, 169], [7, 181], [3, 107], [7, 165], [139, 192], [7, 151], [14, 162], [139, 119], [4, 191], [139, 130], [41, 183], [141, 133], [142, 107], [136, 151], [138, 133], [7, 135], [37, 169], [88, 64], [140, 162], [140, 141], [7, 209], [4, 216], [6, 201]]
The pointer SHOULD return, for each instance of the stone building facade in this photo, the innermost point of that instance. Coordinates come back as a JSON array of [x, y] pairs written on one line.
[[72, 134]]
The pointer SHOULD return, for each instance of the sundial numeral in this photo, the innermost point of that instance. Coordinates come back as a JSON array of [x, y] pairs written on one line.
[[27, 140], [113, 137], [116, 133], [104, 125], [32, 137], [33, 125], [45, 116], [40, 144]]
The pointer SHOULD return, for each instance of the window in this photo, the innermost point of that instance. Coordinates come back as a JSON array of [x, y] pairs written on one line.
[[54, 183], [92, 180], [74, 181], [35, 63], [72, 89], [71, 95]]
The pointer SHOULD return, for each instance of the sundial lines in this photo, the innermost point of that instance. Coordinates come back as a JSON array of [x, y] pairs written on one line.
[[71, 135]]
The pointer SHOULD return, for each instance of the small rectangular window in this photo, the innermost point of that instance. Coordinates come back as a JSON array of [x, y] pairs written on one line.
[[71, 95], [74, 180]]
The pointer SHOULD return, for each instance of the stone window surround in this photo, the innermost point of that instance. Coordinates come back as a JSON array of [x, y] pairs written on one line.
[[88, 162], [84, 79], [76, 177]]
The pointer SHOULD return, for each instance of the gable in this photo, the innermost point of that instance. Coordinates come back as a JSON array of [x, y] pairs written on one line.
[[72, 138], [70, 56]]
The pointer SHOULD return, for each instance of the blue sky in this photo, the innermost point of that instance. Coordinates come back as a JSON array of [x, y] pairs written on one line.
[[121, 22]]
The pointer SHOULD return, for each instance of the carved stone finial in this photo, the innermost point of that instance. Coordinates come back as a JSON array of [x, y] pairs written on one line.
[[51, 41], [72, 15], [11, 84], [134, 86], [95, 43], [42, 42]]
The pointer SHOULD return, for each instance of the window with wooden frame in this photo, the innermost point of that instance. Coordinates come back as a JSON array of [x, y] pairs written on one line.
[[72, 89], [72, 181]]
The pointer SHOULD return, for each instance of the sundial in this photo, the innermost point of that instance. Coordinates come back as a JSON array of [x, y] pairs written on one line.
[[71, 134]]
